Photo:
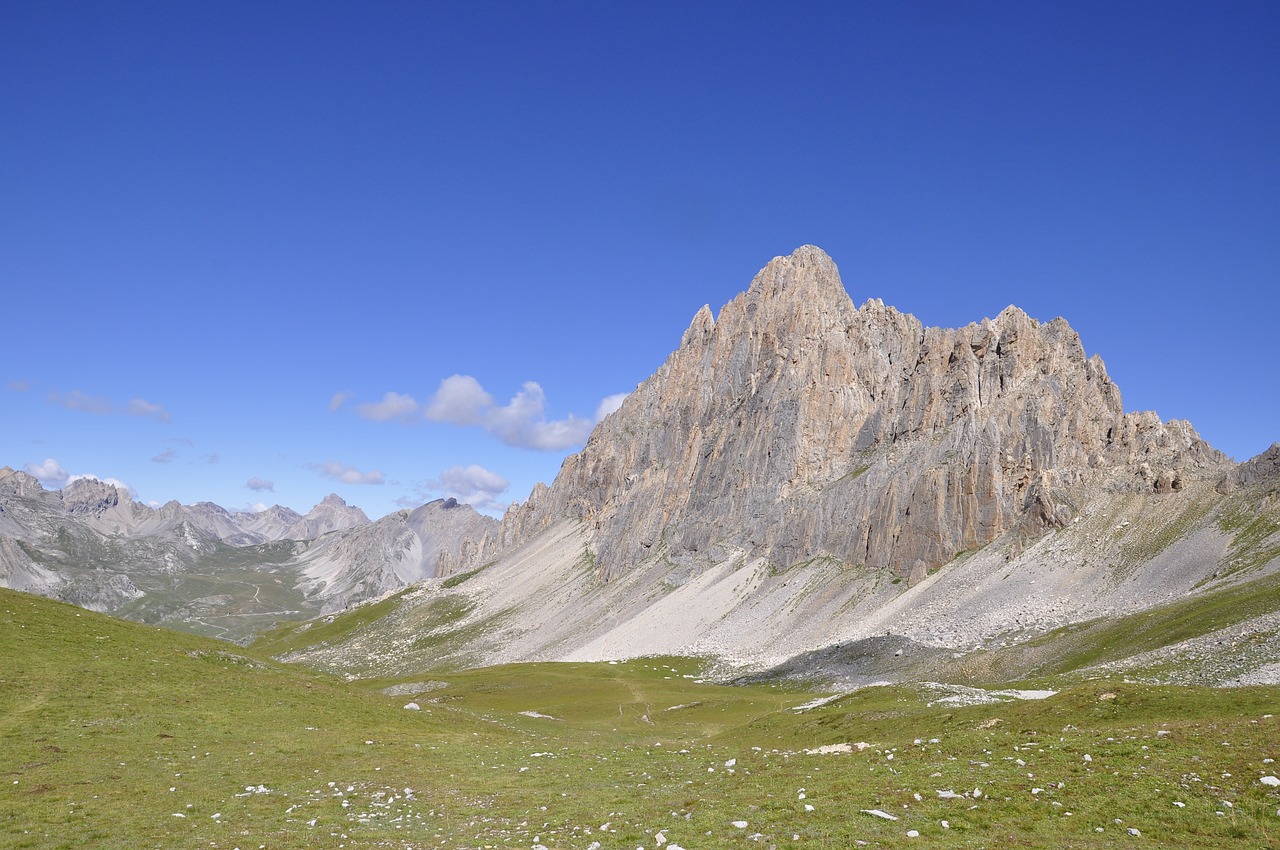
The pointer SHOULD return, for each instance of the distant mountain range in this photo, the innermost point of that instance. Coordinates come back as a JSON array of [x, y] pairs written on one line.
[[209, 569]]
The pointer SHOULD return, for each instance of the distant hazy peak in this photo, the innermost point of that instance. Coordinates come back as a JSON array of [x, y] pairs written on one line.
[[18, 482]]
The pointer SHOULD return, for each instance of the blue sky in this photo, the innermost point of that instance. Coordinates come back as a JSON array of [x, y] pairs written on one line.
[[254, 253]]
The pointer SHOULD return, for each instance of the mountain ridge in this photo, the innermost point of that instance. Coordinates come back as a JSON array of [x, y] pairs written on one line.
[[1023, 417]]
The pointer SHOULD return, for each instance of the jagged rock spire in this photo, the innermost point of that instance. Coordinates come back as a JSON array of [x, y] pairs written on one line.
[[796, 425]]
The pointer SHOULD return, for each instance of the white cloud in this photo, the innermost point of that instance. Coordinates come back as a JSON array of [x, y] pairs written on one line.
[[401, 408], [467, 483], [460, 400], [609, 404], [258, 507], [19, 386], [521, 422], [348, 474], [211, 457], [260, 484], [338, 400], [165, 456], [50, 473]]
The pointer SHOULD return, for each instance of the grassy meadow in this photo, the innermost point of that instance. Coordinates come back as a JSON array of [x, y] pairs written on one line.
[[120, 735]]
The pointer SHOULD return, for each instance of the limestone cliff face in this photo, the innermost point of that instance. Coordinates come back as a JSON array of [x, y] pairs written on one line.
[[796, 426]]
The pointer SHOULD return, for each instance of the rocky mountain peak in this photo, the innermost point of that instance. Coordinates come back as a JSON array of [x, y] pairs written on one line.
[[331, 514], [796, 425], [335, 509], [805, 272]]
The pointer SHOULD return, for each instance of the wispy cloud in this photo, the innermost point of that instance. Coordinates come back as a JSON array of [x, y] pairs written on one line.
[[165, 456], [82, 402], [338, 400], [50, 473], [260, 485], [85, 403], [210, 457], [19, 386], [147, 410], [347, 474], [394, 406]]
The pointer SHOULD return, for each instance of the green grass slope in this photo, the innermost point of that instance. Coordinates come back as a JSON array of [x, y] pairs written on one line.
[[114, 734]]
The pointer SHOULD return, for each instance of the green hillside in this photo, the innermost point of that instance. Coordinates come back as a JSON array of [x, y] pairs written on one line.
[[115, 734]]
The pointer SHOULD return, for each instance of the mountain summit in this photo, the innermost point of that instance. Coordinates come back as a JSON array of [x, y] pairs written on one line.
[[797, 426]]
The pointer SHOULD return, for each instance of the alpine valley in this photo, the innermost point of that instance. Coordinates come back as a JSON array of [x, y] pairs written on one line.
[[806, 488]]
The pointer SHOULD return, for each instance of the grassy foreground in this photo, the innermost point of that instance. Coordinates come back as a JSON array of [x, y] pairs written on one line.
[[114, 734]]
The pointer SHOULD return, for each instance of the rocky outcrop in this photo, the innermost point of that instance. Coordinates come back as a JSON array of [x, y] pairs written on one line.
[[1262, 471], [91, 497], [795, 426]]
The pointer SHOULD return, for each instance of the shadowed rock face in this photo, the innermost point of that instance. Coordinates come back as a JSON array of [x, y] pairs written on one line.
[[797, 426]]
